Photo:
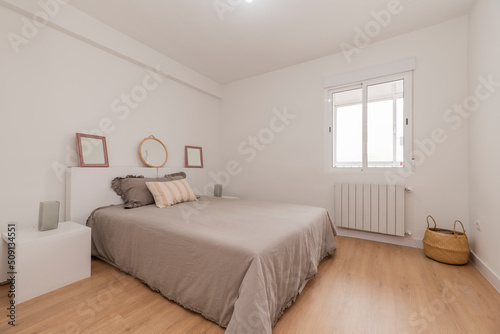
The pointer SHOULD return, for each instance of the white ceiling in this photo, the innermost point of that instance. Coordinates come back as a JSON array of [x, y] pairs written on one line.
[[260, 36]]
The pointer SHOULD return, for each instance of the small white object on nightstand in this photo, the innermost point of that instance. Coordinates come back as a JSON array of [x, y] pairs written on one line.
[[49, 260]]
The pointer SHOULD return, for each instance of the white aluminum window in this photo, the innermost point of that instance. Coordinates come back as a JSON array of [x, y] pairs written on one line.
[[369, 124]]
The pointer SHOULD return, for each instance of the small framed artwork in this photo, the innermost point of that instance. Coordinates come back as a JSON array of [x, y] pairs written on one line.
[[92, 150], [194, 157]]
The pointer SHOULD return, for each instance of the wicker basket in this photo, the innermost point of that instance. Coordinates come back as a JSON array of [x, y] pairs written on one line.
[[446, 246]]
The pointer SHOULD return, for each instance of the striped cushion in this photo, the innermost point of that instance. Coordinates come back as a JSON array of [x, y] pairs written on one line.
[[170, 193]]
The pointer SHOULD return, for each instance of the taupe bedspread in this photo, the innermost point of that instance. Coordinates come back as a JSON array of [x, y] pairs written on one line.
[[239, 263]]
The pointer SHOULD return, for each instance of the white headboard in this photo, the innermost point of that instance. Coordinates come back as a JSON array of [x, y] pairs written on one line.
[[88, 188]]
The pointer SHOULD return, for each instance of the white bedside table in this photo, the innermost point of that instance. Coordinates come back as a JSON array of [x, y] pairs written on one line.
[[49, 260]]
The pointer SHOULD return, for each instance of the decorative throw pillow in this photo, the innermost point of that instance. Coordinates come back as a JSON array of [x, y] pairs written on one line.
[[132, 189], [170, 193]]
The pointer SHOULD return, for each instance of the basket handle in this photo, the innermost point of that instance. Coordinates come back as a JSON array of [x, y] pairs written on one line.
[[429, 216], [455, 223]]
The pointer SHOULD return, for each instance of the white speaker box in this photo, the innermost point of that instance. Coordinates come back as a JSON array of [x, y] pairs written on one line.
[[48, 217]]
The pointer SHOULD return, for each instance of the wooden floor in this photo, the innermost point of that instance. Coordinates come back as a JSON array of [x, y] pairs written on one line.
[[366, 287]]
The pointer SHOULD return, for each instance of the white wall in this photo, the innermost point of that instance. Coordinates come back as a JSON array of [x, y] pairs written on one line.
[[484, 158], [63, 17], [291, 166], [57, 85]]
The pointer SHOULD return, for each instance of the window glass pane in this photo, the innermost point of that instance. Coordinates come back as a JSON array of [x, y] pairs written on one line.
[[385, 90], [349, 136], [353, 96], [398, 86], [399, 132], [380, 133]]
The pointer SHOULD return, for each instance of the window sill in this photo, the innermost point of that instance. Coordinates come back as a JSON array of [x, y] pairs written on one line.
[[374, 170]]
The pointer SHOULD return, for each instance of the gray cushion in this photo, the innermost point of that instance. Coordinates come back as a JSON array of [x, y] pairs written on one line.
[[133, 190]]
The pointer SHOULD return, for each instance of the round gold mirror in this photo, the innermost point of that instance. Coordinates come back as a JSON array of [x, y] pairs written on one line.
[[152, 152]]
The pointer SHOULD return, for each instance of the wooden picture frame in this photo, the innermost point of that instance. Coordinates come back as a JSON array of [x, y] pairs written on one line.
[[92, 151], [194, 157], [153, 152]]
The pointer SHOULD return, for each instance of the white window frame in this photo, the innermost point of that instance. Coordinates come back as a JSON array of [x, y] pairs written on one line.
[[400, 70]]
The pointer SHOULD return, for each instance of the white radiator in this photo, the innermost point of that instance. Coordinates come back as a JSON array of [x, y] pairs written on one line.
[[371, 207]]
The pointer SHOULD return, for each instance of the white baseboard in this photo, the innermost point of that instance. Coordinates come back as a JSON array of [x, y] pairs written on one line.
[[485, 270], [388, 239]]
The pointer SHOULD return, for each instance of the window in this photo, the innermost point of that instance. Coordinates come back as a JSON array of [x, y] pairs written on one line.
[[369, 124]]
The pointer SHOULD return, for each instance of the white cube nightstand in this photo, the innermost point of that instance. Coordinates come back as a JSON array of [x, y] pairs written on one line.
[[48, 260]]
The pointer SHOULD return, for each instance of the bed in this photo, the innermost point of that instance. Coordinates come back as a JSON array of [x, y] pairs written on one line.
[[239, 263]]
